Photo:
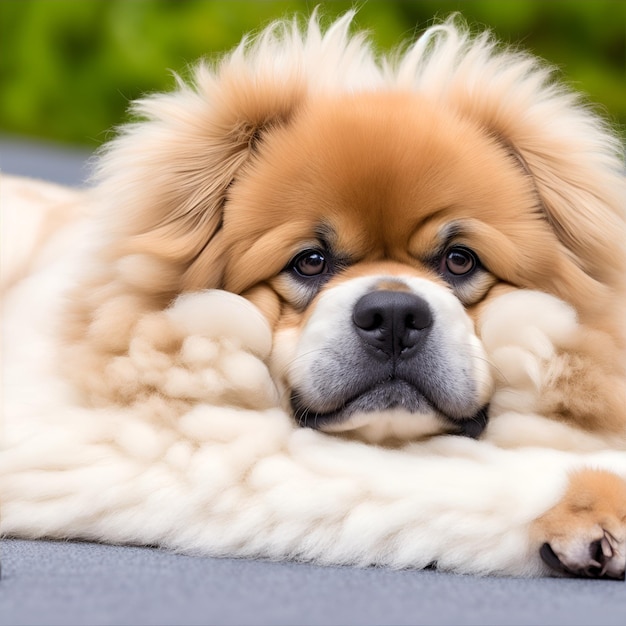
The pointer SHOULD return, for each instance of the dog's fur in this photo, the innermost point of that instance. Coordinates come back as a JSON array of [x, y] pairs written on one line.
[[309, 241]]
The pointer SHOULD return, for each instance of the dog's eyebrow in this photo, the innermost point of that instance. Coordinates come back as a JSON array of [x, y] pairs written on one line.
[[326, 234], [451, 230]]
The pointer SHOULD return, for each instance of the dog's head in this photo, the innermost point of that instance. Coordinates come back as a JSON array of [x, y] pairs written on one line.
[[371, 213]]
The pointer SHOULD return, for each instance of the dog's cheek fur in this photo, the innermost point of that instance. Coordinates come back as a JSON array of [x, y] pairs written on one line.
[[550, 365], [161, 214]]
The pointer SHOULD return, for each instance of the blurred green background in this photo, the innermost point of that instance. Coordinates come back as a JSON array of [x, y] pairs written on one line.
[[68, 68]]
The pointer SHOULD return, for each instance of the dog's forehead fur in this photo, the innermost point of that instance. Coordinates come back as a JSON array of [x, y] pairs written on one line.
[[378, 176]]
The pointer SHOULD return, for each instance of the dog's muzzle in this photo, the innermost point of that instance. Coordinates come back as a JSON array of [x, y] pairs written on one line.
[[395, 360]]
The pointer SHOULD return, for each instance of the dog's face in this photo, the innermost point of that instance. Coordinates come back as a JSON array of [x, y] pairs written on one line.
[[369, 229], [373, 215]]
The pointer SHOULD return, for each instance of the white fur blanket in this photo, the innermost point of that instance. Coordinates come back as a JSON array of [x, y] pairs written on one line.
[[233, 475]]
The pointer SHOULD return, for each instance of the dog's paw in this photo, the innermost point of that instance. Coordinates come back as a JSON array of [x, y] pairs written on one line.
[[587, 556], [221, 315], [206, 347], [585, 533]]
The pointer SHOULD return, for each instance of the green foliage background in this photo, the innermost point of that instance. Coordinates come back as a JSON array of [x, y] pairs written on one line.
[[68, 68]]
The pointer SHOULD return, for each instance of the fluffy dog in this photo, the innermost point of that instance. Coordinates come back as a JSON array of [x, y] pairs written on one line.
[[329, 307]]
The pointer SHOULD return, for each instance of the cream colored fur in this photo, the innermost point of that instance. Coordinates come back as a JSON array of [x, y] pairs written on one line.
[[211, 465], [232, 475]]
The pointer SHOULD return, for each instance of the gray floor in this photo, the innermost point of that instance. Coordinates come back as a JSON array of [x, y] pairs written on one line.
[[60, 164], [47, 582], [83, 583]]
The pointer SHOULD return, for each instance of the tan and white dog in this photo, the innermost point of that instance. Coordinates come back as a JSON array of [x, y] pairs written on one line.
[[329, 307]]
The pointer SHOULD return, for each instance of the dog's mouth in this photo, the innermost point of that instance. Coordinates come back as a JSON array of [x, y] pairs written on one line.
[[389, 395]]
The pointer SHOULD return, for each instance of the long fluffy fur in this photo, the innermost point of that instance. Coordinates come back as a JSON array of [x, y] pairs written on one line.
[[160, 423]]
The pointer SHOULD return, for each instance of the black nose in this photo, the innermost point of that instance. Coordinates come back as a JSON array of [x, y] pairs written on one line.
[[392, 321]]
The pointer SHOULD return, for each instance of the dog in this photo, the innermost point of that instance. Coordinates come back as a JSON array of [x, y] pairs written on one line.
[[306, 282]]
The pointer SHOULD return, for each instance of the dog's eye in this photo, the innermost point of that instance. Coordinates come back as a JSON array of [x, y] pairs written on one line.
[[310, 263], [459, 261]]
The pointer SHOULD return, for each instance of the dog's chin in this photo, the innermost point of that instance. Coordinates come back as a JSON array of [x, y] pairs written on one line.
[[387, 411], [389, 425]]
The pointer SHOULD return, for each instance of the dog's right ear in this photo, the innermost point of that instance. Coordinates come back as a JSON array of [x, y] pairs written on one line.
[[162, 183]]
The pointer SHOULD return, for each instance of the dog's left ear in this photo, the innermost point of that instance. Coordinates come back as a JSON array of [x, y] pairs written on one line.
[[574, 159], [575, 165]]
